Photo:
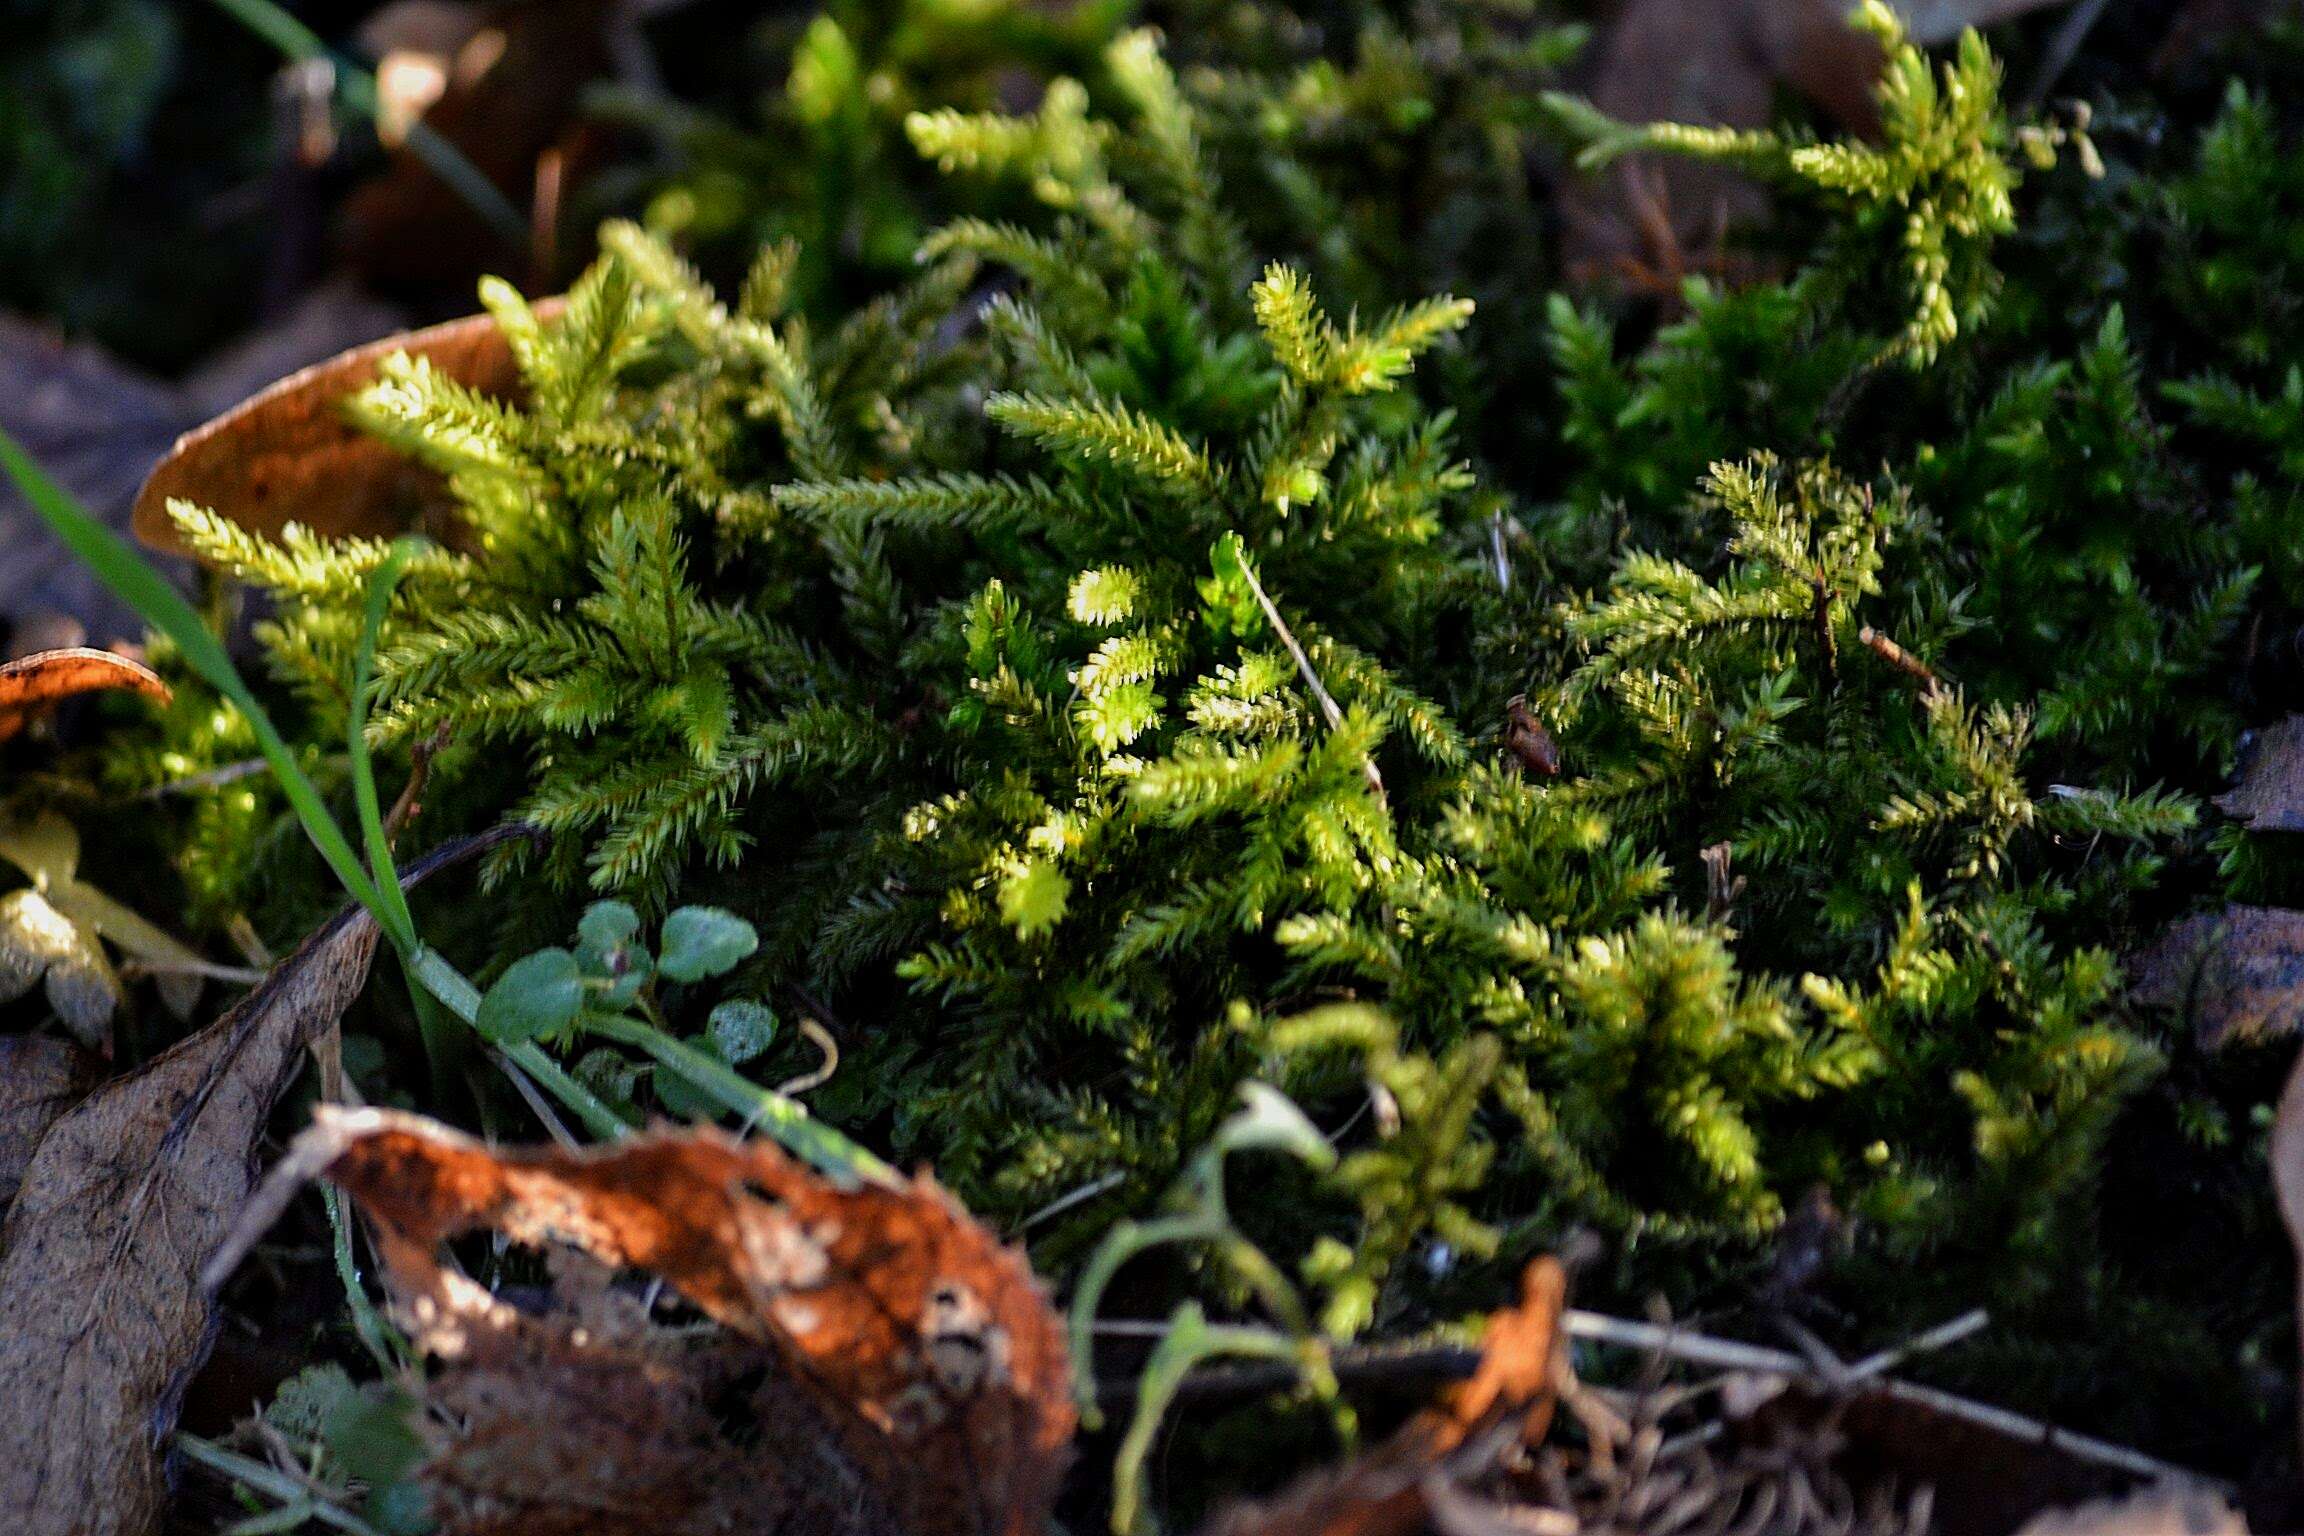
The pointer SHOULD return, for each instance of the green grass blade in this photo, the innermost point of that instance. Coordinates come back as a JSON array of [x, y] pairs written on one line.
[[398, 922], [140, 585], [298, 41]]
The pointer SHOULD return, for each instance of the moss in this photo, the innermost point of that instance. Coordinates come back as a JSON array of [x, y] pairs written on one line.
[[1088, 661]]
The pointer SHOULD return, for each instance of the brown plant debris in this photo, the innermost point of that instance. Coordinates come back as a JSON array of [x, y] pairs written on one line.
[[1402, 1487], [1711, 1437], [1525, 737], [33, 683], [289, 453], [102, 1318], [881, 1363]]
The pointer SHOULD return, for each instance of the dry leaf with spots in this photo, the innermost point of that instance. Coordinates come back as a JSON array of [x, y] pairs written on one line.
[[33, 683], [54, 932], [102, 1316], [1408, 1485], [40, 1078], [2270, 794], [906, 1361], [2237, 974], [290, 454]]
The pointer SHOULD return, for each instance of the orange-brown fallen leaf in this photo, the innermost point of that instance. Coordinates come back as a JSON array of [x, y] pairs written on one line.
[[879, 1352], [35, 682], [1398, 1488], [289, 454], [102, 1317]]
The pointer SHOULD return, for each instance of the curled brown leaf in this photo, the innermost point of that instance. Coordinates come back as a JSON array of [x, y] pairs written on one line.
[[1400, 1488], [930, 1366], [289, 453], [33, 683]]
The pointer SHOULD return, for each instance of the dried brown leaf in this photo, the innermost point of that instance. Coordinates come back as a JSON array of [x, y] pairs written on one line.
[[645, 1428], [1508, 1401], [102, 1319], [289, 454], [2237, 974], [926, 1350], [31, 684], [40, 1078]]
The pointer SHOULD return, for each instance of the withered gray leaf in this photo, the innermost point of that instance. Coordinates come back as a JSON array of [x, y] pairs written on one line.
[[102, 1316], [40, 1078]]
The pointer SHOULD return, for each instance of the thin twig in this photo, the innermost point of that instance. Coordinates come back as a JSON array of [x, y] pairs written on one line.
[[1084, 1193], [1728, 1354], [1942, 1336], [238, 975], [1328, 710], [214, 778], [410, 805], [1438, 1363]]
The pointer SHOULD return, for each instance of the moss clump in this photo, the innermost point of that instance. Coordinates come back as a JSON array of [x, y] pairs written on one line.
[[1088, 662]]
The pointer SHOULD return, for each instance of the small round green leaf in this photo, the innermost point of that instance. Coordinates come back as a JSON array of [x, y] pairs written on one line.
[[539, 994], [608, 950], [704, 941], [608, 925], [741, 1029]]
